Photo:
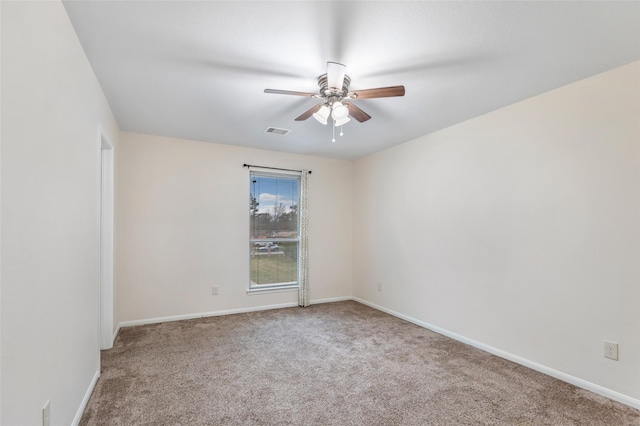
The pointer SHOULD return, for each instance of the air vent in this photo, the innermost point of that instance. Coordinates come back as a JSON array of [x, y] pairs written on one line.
[[277, 131]]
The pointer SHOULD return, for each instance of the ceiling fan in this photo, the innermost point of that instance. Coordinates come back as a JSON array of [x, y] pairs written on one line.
[[336, 97]]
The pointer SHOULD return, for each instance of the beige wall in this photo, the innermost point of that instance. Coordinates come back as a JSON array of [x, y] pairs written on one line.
[[183, 227], [52, 109], [518, 229]]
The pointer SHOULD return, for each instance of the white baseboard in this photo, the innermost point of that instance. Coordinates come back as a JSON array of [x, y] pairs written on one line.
[[85, 400], [205, 314], [223, 312], [600, 390], [115, 335], [331, 300]]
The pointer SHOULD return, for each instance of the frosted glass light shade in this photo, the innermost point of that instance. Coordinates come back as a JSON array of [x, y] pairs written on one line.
[[341, 121], [322, 114], [339, 111]]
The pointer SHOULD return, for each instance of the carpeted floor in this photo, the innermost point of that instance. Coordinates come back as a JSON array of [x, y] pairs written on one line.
[[332, 364]]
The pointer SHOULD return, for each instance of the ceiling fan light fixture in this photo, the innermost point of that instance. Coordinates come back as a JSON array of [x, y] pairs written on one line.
[[339, 111], [336, 98], [322, 114]]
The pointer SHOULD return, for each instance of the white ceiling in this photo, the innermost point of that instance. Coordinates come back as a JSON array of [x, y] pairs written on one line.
[[197, 70]]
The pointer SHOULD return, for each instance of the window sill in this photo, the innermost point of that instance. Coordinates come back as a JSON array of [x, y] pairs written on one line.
[[272, 290]]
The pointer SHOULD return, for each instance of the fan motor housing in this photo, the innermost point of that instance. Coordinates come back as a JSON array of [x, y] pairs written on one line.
[[333, 92]]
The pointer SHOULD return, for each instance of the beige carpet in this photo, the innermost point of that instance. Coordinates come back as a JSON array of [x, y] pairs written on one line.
[[331, 364]]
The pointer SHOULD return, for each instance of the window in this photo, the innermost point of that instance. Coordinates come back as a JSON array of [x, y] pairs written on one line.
[[274, 241]]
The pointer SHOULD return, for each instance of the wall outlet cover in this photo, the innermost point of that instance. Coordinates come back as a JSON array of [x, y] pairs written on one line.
[[611, 350]]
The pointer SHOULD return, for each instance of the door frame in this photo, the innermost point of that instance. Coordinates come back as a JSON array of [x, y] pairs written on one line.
[[106, 241]]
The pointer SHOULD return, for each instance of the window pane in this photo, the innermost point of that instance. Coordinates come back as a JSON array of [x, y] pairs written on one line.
[[274, 262], [274, 206], [274, 225]]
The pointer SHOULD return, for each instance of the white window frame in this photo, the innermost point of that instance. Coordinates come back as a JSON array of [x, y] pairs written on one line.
[[284, 286]]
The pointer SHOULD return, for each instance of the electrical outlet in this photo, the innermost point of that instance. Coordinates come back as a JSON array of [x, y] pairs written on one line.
[[611, 350], [46, 414], [214, 291], [379, 286]]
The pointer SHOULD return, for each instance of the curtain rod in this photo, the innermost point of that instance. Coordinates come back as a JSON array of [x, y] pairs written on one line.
[[273, 168]]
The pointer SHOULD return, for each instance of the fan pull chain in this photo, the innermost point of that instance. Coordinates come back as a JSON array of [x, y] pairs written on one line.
[[341, 132], [334, 131]]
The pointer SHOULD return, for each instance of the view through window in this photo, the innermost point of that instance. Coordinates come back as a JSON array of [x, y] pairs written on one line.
[[274, 230]]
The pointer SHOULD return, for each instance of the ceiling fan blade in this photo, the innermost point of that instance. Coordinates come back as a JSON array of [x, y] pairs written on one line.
[[357, 113], [380, 92], [309, 113], [335, 75], [289, 92]]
